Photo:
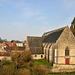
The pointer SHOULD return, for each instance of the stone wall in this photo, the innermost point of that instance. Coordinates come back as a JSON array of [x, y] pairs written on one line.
[[63, 66]]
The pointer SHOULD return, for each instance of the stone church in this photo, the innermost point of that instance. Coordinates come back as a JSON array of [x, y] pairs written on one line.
[[59, 47]]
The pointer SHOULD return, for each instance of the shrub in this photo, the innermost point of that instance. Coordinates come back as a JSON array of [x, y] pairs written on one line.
[[30, 64], [39, 70], [20, 59], [4, 61], [5, 71]]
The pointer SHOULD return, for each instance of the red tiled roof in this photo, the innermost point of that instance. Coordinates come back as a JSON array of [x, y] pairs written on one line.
[[11, 44], [1, 44]]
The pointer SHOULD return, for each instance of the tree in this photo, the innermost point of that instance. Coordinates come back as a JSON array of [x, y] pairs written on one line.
[[12, 41], [1, 40], [20, 59], [5, 40]]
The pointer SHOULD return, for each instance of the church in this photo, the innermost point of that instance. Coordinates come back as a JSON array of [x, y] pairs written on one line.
[[58, 47]]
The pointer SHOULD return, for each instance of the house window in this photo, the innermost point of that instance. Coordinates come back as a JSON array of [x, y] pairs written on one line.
[[35, 55], [41, 56], [67, 51]]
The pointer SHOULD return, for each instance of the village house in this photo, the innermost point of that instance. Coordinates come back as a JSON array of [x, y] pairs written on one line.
[[7, 48], [4, 51]]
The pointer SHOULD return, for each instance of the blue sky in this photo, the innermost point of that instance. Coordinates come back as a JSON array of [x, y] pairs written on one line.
[[22, 18]]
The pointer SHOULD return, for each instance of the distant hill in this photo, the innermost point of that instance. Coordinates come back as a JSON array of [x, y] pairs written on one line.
[[73, 26]]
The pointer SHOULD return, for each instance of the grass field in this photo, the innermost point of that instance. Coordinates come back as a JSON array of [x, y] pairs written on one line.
[[42, 62]]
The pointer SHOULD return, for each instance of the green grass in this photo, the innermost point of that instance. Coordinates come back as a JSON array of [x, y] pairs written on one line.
[[41, 62]]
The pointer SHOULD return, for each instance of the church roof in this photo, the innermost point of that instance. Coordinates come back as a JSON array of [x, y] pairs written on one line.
[[34, 44], [73, 22], [52, 36]]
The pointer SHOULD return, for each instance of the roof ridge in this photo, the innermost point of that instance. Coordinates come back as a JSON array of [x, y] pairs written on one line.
[[54, 31]]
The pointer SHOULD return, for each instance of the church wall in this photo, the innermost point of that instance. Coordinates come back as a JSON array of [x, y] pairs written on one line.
[[66, 39], [48, 51]]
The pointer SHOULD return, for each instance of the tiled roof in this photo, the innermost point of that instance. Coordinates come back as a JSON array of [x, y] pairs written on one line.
[[52, 36], [11, 44], [1, 44]]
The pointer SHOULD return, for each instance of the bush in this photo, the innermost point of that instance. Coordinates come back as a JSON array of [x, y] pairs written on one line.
[[4, 71], [30, 64], [4, 61], [39, 70], [20, 59]]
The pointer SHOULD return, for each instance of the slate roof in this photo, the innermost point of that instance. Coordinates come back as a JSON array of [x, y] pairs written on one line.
[[35, 44], [52, 36]]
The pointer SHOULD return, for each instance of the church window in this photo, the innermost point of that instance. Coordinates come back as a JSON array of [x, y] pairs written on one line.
[[67, 51]]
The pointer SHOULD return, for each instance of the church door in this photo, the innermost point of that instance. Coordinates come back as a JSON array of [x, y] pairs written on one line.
[[67, 61]]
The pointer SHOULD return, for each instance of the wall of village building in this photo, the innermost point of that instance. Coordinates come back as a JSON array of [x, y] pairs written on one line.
[[6, 57], [37, 56], [66, 39], [20, 44]]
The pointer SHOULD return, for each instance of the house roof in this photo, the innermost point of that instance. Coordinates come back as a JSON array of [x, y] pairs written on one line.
[[52, 36], [34, 44], [11, 44], [1, 44]]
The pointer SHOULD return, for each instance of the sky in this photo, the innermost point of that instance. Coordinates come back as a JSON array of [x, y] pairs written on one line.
[[22, 18]]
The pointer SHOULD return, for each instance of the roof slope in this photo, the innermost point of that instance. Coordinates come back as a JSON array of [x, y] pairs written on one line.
[[34, 44], [73, 26], [73, 22], [52, 36]]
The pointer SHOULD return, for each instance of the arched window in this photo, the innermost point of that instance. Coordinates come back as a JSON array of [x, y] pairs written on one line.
[[67, 51]]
